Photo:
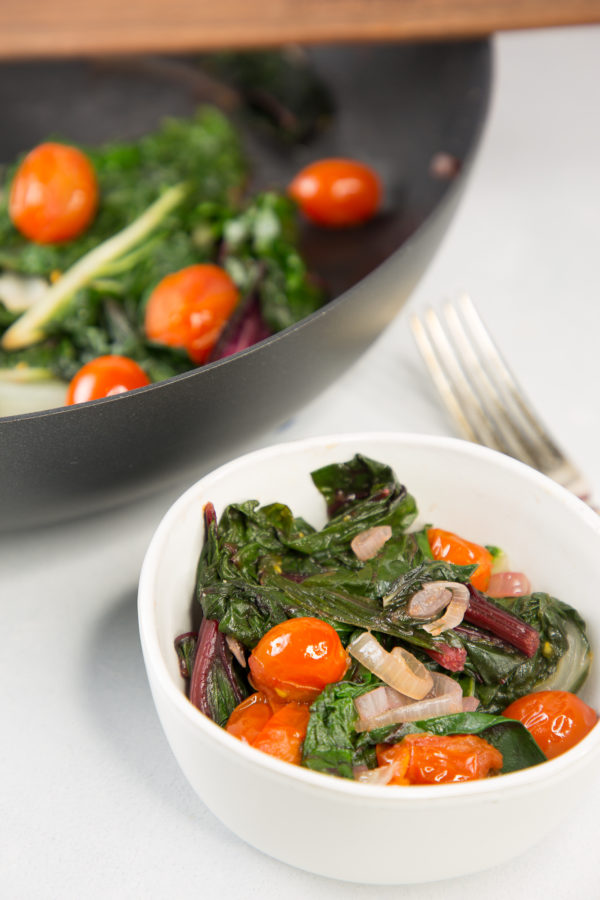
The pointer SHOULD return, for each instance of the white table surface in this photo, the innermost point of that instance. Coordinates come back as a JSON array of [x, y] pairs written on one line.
[[92, 804]]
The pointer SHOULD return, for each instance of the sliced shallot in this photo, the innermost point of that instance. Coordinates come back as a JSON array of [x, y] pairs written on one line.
[[236, 648], [379, 775], [470, 704], [444, 699], [378, 701], [369, 542], [508, 584], [430, 600], [455, 611], [401, 670]]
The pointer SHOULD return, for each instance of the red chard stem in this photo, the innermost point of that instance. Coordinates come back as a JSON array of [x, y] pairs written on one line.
[[485, 614]]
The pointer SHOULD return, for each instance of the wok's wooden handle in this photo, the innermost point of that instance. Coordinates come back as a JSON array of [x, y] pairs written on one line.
[[51, 28]]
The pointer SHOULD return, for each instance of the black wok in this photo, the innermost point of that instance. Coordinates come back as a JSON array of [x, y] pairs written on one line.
[[398, 107]]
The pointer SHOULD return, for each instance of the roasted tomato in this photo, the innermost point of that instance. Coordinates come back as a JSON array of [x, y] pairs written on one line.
[[104, 377], [296, 659], [284, 733], [440, 759], [557, 719], [276, 728], [54, 194], [455, 549], [189, 309], [249, 717], [337, 192]]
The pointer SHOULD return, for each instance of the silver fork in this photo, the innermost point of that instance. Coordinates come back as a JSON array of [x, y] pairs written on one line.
[[483, 397]]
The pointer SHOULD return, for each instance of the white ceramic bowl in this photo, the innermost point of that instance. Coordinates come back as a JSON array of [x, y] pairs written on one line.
[[328, 825]]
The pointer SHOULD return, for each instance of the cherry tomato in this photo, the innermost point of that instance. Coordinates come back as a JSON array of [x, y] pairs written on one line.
[[337, 192], [296, 659], [398, 756], [284, 733], [189, 309], [105, 376], [441, 759], [249, 717], [449, 546], [54, 194], [557, 719]]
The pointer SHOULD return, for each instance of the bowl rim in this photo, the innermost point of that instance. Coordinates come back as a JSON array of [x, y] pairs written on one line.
[[515, 782]]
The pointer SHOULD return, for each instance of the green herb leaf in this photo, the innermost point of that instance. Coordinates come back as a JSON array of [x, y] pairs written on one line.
[[332, 744]]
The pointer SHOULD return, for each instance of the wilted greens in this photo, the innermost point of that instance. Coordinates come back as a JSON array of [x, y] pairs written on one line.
[[175, 197], [261, 565]]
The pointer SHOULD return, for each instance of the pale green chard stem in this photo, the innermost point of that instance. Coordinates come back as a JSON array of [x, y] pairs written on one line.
[[24, 374], [30, 327]]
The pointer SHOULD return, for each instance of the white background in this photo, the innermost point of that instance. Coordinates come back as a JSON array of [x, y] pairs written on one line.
[[92, 804]]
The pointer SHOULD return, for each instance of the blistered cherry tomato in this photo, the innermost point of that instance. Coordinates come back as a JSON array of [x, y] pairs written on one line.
[[337, 192], [449, 546], [276, 728], [104, 377], [189, 309], [249, 717], [283, 734], [54, 194], [557, 719], [441, 759], [296, 659], [397, 756]]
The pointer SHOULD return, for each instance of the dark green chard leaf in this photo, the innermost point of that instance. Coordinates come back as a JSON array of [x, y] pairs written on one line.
[[364, 489], [344, 572], [339, 606], [332, 745], [245, 611], [489, 659], [398, 570], [223, 594], [344, 485], [259, 251], [519, 749], [254, 540], [234, 560], [423, 542], [211, 560]]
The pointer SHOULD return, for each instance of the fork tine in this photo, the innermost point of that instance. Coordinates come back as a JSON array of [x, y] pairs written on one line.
[[456, 389], [482, 395], [440, 379], [505, 378], [542, 451], [474, 356]]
